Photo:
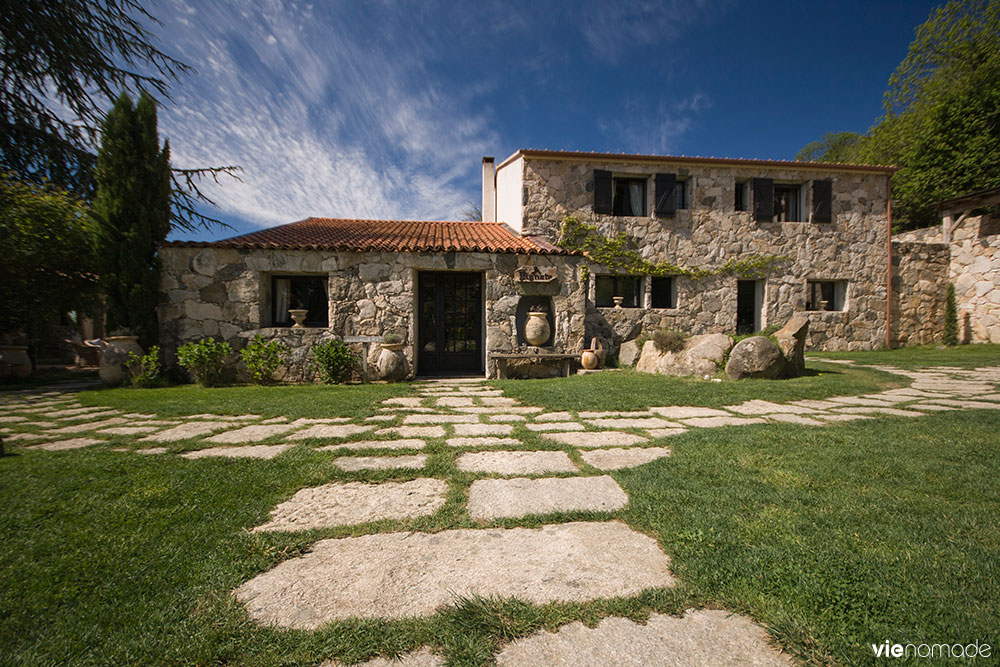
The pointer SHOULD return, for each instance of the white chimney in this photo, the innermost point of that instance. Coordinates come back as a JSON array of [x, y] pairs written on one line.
[[489, 190]]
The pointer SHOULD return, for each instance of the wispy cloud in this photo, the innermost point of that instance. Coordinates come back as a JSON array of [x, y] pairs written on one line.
[[644, 128]]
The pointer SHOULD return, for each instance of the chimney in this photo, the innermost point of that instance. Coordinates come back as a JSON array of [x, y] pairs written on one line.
[[489, 190]]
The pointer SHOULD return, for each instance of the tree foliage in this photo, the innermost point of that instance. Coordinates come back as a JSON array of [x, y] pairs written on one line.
[[132, 210], [62, 63], [47, 243], [942, 113], [833, 147]]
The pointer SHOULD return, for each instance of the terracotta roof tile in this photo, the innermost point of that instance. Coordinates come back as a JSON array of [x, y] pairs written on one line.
[[386, 236]]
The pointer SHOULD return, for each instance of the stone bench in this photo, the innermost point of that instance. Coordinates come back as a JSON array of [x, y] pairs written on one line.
[[503, 358]]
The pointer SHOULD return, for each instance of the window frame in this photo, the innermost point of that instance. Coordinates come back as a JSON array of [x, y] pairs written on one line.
[[837, 289], [618, 280], [795, 188], [312, 317], [741, 196], [625, 180], [681, 195]]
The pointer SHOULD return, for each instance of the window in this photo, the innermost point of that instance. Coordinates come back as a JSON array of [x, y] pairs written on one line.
[[627, 287], [663, 292], [629, 196], [742, 196], [826, 294], [786, 203], [680, 195], [307, 292]]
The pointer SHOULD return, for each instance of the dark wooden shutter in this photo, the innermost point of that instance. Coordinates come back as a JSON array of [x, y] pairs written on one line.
[[665, 201], [822, 201], [602, 191], [763, 199]]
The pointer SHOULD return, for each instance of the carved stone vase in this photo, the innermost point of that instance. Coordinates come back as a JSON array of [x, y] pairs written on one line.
[[14, 362], [114, 361], [298, 315], [537, 329]]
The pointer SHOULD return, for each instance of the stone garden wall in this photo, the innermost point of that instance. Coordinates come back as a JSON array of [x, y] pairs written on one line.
[[224, 293], [919, 283], [853, 247]]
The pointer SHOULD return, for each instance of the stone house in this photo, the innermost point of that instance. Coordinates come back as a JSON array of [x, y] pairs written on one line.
[[459, 292]]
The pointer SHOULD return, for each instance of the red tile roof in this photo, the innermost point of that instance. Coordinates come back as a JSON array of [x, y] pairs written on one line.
[[686, 159], [386, 236]]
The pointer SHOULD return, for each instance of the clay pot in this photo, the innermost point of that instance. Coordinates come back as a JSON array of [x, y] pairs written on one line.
[[114, 362], [537, 329], [589, 359], [14, 362], [298, 315]]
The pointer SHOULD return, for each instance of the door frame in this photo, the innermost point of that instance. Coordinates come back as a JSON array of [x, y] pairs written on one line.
[[418, 371]]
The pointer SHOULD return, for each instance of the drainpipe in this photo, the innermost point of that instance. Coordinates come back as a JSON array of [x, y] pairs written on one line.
[[888, 265]]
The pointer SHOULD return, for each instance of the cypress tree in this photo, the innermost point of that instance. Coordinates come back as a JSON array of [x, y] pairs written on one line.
[[132, 209]]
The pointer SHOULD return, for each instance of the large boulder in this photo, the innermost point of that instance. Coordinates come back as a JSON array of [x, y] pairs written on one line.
[[628, 353], [701, 355], [792, 343], [755, 357]]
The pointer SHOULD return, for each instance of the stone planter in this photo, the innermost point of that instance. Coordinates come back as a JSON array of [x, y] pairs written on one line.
[[391, 364], [299, 316], [14, 362], [536, 329], [114, 362]]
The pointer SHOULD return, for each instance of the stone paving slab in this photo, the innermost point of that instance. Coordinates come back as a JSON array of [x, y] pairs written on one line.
[[129, 430], [795, 419], [248, 452], [26, 436], [420, 658], [713, 422], [275, 420], [330, 431], [555, 426], [498, 401], [590, 439], [71, 412], [151, 450], [666, 432], [843, 418], [88, 426], [140, 415], [857, 400], [933, 407], [11, 419], [349, 503], [308, 421], [629, 422], [254, 433], [616, 458], [497, 498], [703, 637], [186, 431], [353, 463], [516, 463], [404, 401], [223, 418], [483, 429], [405, 443], [973, 405], [867, 410], [397, 575], [759, 407], [817, 404], [686, 412], [506, 418], [396, 411], [614, 413], [72, 443], [440, 419], [487, 441], [553, 417], [413, 431], [380, 418], [454, 402], [517, 410]]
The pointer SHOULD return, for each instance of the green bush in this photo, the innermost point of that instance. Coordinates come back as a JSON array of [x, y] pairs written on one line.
[[263, 358], [669, 340], [204, 360], [145, 370], [333, 361], [950, 318]]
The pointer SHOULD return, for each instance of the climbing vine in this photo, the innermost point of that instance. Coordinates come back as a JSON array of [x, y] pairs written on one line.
[[615, 253]]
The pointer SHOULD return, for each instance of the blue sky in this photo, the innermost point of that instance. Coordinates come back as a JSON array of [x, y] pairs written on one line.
[[384, 108]]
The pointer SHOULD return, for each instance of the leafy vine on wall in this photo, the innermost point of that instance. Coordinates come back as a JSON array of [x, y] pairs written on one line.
[[616, 253]]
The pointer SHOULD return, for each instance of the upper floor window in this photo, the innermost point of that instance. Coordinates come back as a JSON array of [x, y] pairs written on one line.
[[628, 288], [742, 196], [299, 292], [629, 196], [783, 202], [787, 203], [680, 195]]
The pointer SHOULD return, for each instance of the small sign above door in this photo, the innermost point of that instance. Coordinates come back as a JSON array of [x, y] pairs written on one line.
[[535, 274]]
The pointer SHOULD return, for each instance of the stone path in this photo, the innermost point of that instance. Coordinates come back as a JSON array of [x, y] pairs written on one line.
[[509, 461]]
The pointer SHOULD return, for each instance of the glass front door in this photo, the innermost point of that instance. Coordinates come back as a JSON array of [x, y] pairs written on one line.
[[451, 323]]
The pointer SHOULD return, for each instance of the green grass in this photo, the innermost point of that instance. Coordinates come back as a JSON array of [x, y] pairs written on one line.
[[960, 356], [313, 400], [628, 389]]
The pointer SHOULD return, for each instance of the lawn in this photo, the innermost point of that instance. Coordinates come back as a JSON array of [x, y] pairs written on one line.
[[834, 538]]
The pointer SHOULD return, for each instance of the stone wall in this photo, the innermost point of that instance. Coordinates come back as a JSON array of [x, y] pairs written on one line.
[[853, 247], [224, 293], [975, 272], [919, 282]]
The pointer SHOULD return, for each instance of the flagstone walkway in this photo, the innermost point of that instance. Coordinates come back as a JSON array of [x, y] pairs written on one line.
[[402, 574]]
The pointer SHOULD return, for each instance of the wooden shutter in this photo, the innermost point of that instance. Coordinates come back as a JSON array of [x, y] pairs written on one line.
[[602, 191], [763, 199], [822, 201], [664, 188]]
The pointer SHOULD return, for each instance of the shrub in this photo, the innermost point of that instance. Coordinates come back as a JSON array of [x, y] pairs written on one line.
[[333, 361], [144, 370], [204, 360], [263, 358], [392, 338], [950, 318], [669, 340]]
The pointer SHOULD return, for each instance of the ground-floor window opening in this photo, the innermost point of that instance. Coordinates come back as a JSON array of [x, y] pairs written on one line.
[[663, 292], [629, 288], [826, 294], [293, 292]]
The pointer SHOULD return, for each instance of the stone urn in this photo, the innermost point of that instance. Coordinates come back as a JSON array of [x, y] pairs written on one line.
[[14, 362], [391, 363], [618, 300], [114, 362], [589, 359], [536, 328], [298, 316]]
